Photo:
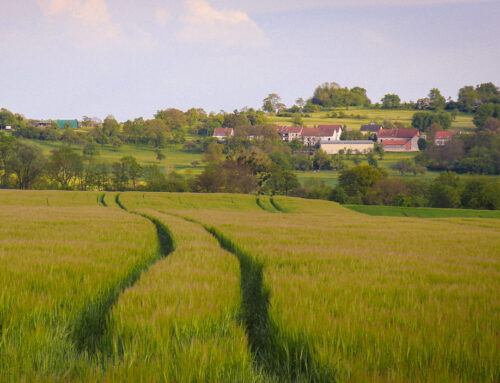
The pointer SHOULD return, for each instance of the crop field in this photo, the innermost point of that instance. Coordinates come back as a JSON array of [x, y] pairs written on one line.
[[423, 212], [238, 288], [463, 121]]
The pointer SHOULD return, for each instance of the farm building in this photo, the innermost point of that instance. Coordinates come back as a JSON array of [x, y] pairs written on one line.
[[371, 128], [443, 137], [334, 147], [65, 123], [399, 140], [288, 133], [311, 136], [223, 133]]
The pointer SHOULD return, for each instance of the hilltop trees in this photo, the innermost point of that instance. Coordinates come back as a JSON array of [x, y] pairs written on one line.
[[437, 101], [423, 120], [332, 95], [391, 101], [272, 103]]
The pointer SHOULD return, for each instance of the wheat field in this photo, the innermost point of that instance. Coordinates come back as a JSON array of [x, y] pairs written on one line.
[[217, 287]]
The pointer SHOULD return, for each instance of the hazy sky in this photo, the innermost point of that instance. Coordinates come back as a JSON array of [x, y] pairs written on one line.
[[129, 58]]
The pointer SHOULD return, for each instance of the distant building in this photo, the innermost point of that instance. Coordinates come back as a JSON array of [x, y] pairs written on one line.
[[334, 147], [311, 136], [288, 133], [223, 133], [42, 124], [371, 128], [64, 123], [399, 140], [443, 137]]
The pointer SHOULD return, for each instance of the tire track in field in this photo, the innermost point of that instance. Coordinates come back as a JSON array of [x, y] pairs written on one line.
[[277, 206], [263, 207], [281, 356], [89, 329]]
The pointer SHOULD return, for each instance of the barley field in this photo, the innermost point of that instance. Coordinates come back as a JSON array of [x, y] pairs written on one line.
[[239, 288]]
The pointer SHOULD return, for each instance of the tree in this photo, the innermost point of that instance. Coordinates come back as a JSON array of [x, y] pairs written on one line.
[[270, 103], [213, 153], [297, 120], [437, 101], [300, 103], [468, 99], [27, 162], [358, 179], [174, 119], [91, 149], [320, 159], [65, 165], [132, 168], [282, 182], [423, 120], [481, 193], [422, 144], [492, 125], [484, 112], [159, 155], [390, 101]]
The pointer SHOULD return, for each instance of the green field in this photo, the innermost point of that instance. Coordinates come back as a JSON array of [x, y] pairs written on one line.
[[175, 158], [218, 287], [463, 121], [423, 212]]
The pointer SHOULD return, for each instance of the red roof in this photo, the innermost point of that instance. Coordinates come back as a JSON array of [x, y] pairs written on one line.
[[395, 142], [223, 132], [398, 133], [289, 129], [328, 127], [443, 135], [321, 131], [310, 132]]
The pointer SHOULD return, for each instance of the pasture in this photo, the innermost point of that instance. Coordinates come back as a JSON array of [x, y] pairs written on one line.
[[218, 287], [463, 121]]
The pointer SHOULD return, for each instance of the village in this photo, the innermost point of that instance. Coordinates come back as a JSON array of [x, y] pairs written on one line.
[[328, 138]]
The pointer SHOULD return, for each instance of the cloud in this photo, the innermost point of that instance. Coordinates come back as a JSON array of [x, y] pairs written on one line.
[[84, 17], [202, 23], [162, 16]]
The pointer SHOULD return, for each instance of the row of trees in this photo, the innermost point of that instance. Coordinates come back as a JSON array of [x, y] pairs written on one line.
[[331, 94], [23, 165], [477, 153], [365, 184]]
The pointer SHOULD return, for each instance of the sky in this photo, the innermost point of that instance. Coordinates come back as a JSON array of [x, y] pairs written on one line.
[[129, 58]]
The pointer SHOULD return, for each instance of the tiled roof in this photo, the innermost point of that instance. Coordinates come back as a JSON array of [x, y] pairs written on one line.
[[289, 129], [398, 133], [334, 127], [223, 132], [443, 135], [396, 142]]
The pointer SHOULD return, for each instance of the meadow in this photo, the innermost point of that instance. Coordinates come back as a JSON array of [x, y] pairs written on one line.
[[218, 287], [463, 121]]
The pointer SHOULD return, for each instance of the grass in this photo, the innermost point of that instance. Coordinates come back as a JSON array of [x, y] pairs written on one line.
[[281, 290], [180, 322], [62, 269], [423, 212], [175, 158], [375, 298], [463, 121]]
